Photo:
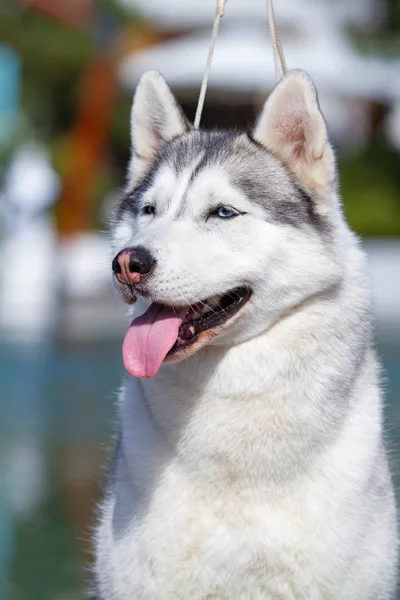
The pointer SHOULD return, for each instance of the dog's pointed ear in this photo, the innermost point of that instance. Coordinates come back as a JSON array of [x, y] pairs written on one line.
[[291, 125], [156, 118]]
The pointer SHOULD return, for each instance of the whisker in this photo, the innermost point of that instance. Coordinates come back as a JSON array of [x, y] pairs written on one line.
[[212, 310]]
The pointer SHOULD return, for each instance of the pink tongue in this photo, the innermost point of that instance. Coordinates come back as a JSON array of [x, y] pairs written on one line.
[[149, 339]]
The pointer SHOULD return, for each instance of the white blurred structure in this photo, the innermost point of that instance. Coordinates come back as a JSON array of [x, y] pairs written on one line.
[[188, 14], [90, 310], [313, 34], [30, 186], [47, 285], [27, 253]]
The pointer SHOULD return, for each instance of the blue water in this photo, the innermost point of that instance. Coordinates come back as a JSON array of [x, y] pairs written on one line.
[[56, 421]]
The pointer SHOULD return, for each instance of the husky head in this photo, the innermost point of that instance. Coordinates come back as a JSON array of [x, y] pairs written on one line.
[[223, 232]]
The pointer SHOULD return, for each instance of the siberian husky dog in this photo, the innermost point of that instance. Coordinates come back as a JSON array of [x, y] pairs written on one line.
[[251, 462]]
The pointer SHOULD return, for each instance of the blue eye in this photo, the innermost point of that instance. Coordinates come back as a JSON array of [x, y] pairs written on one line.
[[225, 212]]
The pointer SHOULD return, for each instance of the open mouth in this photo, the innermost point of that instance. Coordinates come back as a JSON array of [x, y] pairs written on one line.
[[171, 333], [210, 314]]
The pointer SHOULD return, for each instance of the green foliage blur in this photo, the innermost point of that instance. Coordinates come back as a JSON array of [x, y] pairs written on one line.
[[53, 61]]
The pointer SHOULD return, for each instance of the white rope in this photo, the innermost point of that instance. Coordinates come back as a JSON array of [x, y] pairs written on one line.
[[203, 89], [279, 57]]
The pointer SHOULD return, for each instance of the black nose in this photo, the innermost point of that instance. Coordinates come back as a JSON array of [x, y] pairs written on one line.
[[141, 260], [137, 260]]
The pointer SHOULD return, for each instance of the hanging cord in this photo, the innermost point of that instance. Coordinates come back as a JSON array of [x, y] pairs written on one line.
[[202, 95], [279, 57]]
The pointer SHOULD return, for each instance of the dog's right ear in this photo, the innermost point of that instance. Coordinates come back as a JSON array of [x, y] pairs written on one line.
[[156, 118]]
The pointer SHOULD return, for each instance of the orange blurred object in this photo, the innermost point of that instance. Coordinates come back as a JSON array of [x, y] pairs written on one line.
[[86, 144]]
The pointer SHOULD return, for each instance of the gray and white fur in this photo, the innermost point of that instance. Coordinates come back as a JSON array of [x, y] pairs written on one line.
[[255, 468]]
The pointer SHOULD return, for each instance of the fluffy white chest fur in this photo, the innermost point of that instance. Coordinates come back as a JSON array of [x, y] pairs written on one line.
[[251, 463]]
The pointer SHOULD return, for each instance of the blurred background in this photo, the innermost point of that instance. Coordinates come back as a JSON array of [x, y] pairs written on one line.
[[68, 69]]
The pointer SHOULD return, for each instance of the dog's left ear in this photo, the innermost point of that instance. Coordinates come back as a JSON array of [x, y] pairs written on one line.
[[291, 125]]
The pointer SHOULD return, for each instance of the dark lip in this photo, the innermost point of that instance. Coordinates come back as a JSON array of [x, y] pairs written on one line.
[[230, 304]]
